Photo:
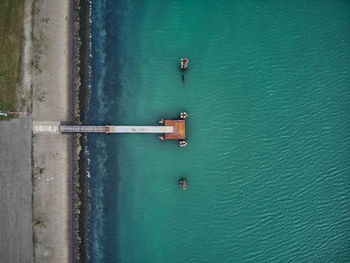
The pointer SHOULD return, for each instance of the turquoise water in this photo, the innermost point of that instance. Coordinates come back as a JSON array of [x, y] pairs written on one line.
[[267, 165]]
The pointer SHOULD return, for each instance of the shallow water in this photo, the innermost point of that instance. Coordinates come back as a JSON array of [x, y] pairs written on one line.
[[267, 165]]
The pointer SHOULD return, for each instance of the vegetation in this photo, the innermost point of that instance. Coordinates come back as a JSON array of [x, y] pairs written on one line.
[[11, 36]]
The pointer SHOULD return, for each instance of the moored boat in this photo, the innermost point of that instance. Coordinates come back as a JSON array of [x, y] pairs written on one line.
[[184, 63], [182, 182]]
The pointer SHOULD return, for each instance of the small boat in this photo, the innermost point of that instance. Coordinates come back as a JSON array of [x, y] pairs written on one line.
[[183, 115], [182, 182], [182, 143], [184, 63]]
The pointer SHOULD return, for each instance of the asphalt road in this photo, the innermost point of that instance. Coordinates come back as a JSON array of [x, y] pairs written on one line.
[[16, 240]]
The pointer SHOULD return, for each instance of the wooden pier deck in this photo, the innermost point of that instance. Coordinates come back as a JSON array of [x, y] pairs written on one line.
[[179, 129]]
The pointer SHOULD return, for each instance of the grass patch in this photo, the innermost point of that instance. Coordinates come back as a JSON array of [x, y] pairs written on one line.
[[11, 37]]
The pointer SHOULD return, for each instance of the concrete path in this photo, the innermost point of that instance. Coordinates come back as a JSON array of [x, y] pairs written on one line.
[[141, 129], [16, 237], [54, 127], [115, 129]]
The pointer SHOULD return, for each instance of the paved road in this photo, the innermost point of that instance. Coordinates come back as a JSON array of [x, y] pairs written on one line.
[[16, 243]]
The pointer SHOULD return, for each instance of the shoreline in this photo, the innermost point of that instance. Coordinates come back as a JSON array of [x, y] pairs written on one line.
[[76, 147], [81, 57]]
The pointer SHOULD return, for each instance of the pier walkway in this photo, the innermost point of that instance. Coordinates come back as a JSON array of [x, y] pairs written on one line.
[[116, 129], [55, 127]]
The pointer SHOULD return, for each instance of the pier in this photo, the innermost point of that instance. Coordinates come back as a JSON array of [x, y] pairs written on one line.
[[168, 129], [116, 129]]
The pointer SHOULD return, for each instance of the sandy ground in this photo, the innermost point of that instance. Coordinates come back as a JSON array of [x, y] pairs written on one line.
[[16, 191], [24, 90], [52, 154]]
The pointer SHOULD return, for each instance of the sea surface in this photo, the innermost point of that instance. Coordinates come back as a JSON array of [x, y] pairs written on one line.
[[268, 157]]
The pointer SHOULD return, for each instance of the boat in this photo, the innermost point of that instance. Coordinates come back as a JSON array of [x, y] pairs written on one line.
[[182, 182], [182, 143], [184, 63]]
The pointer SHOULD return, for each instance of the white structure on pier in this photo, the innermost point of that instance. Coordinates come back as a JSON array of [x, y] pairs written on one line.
[[141, 129], [48, 127]]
